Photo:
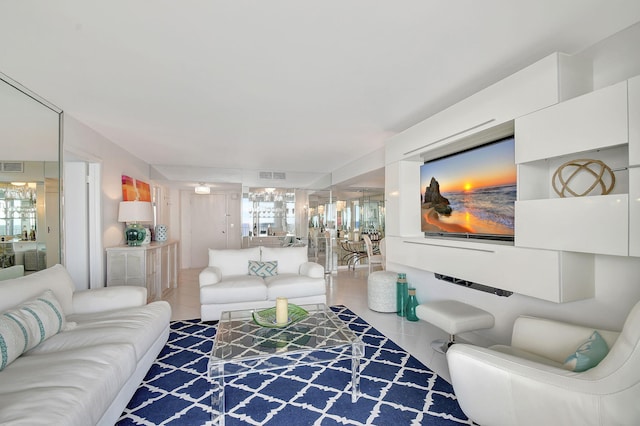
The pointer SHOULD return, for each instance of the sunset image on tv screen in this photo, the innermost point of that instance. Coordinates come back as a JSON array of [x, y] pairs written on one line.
[[471, 192]]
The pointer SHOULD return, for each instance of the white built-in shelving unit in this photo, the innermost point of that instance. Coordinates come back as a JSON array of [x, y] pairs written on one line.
[[633, 88], [556, 117], [593, 126]]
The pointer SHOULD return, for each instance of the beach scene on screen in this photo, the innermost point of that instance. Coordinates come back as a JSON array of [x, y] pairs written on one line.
[[471, 192]]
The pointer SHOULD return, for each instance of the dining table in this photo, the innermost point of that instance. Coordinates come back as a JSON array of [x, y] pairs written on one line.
[[354, 251]]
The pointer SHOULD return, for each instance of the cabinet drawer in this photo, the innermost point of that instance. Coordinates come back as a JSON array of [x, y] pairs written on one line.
[[597, 224], [593, 121], [634, 211], [543, 274], [634, 121]]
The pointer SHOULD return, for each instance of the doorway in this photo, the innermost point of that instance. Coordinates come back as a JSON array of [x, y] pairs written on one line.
[[213, 223], [82, 220]]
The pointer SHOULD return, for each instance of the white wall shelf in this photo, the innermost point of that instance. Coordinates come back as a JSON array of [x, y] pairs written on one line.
[[597, 126], [535, 178], [593, 121], [550, 275], [634, 166], [597, 224]]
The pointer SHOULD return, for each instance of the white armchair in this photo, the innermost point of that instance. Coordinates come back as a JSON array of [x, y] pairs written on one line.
[[525, 383]]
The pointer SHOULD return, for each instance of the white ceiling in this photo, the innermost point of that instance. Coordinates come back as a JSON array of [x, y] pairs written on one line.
[[206, 87]]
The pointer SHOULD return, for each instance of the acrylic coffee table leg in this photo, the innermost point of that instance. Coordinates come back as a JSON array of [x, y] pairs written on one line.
[[216, 378], [355, 378], [357, 352]]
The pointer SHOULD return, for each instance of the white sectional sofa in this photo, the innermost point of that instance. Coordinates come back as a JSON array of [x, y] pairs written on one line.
[[91, 349], [246, 278], [11, 272]]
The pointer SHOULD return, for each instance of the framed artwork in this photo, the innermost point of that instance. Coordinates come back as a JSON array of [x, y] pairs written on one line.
[[144, 191], [135, 190], [129, 192]]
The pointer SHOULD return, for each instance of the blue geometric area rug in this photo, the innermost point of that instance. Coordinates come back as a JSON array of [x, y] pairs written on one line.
[[396, 389]]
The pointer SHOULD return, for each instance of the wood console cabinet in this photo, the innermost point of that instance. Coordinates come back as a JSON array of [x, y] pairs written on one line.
[[154, 266]]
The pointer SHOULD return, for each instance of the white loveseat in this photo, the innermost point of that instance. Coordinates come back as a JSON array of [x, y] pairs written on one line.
[[97, 347], [228, 284]]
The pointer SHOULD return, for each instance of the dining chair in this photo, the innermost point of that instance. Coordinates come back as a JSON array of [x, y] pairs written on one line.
[[372, 259]]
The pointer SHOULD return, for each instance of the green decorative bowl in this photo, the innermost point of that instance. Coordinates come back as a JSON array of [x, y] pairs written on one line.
[[267, 317]]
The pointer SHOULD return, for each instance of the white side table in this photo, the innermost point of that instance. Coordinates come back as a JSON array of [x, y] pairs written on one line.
[[381, 291]]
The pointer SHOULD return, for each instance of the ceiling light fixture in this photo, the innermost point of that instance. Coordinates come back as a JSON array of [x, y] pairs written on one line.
[[203, 189]]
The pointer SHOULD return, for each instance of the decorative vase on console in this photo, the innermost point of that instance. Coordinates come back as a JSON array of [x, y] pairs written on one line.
[[161, 233], [148, 236]]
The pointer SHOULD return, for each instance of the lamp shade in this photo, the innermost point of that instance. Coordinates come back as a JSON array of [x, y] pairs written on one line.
[[135, 211]]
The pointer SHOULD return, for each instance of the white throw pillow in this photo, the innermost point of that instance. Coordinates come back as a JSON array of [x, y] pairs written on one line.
[[289, 258], [29, 324], [233, 261]]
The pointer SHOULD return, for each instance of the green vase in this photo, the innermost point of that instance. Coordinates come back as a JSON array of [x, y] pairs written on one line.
[[402, 295], [412, 304]]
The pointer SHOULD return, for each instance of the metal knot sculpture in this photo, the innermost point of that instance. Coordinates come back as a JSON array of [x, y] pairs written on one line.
[[568, 171]]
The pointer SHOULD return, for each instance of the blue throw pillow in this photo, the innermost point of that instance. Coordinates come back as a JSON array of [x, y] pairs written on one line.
[[588, 355], [263, 269]]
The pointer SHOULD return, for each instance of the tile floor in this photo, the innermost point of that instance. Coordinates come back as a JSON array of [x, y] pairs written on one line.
[[348, 288]]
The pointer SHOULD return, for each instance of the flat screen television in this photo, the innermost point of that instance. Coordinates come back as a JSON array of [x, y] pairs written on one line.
[[472, 193]]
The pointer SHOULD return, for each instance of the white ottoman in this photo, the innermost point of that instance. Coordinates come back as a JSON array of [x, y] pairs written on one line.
[[381, 291], [453, 317]]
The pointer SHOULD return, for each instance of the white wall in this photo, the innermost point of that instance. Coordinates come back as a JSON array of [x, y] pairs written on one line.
[[115, 162], [76, 223], [29, 129], [365, 164], [616, 278]]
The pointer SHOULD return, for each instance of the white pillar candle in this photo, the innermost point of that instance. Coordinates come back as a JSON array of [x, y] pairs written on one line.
[[282, 310]]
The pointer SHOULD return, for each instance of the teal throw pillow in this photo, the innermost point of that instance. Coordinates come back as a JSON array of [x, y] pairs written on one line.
[[263, 269], [588, 355]]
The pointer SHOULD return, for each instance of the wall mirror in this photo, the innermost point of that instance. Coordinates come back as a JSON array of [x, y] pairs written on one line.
[[269, 211], [348, 212], [30, 184]]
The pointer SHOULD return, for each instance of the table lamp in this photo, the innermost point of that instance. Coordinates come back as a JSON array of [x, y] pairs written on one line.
[[133, 212]]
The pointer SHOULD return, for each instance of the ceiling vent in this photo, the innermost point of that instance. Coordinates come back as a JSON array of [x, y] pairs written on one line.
[[273, 175], [12, 167]]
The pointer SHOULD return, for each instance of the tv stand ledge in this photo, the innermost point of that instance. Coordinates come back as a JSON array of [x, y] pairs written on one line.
[[555, 276]]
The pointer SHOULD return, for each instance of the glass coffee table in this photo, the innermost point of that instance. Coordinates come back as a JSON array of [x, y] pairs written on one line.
[[241, 346]]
